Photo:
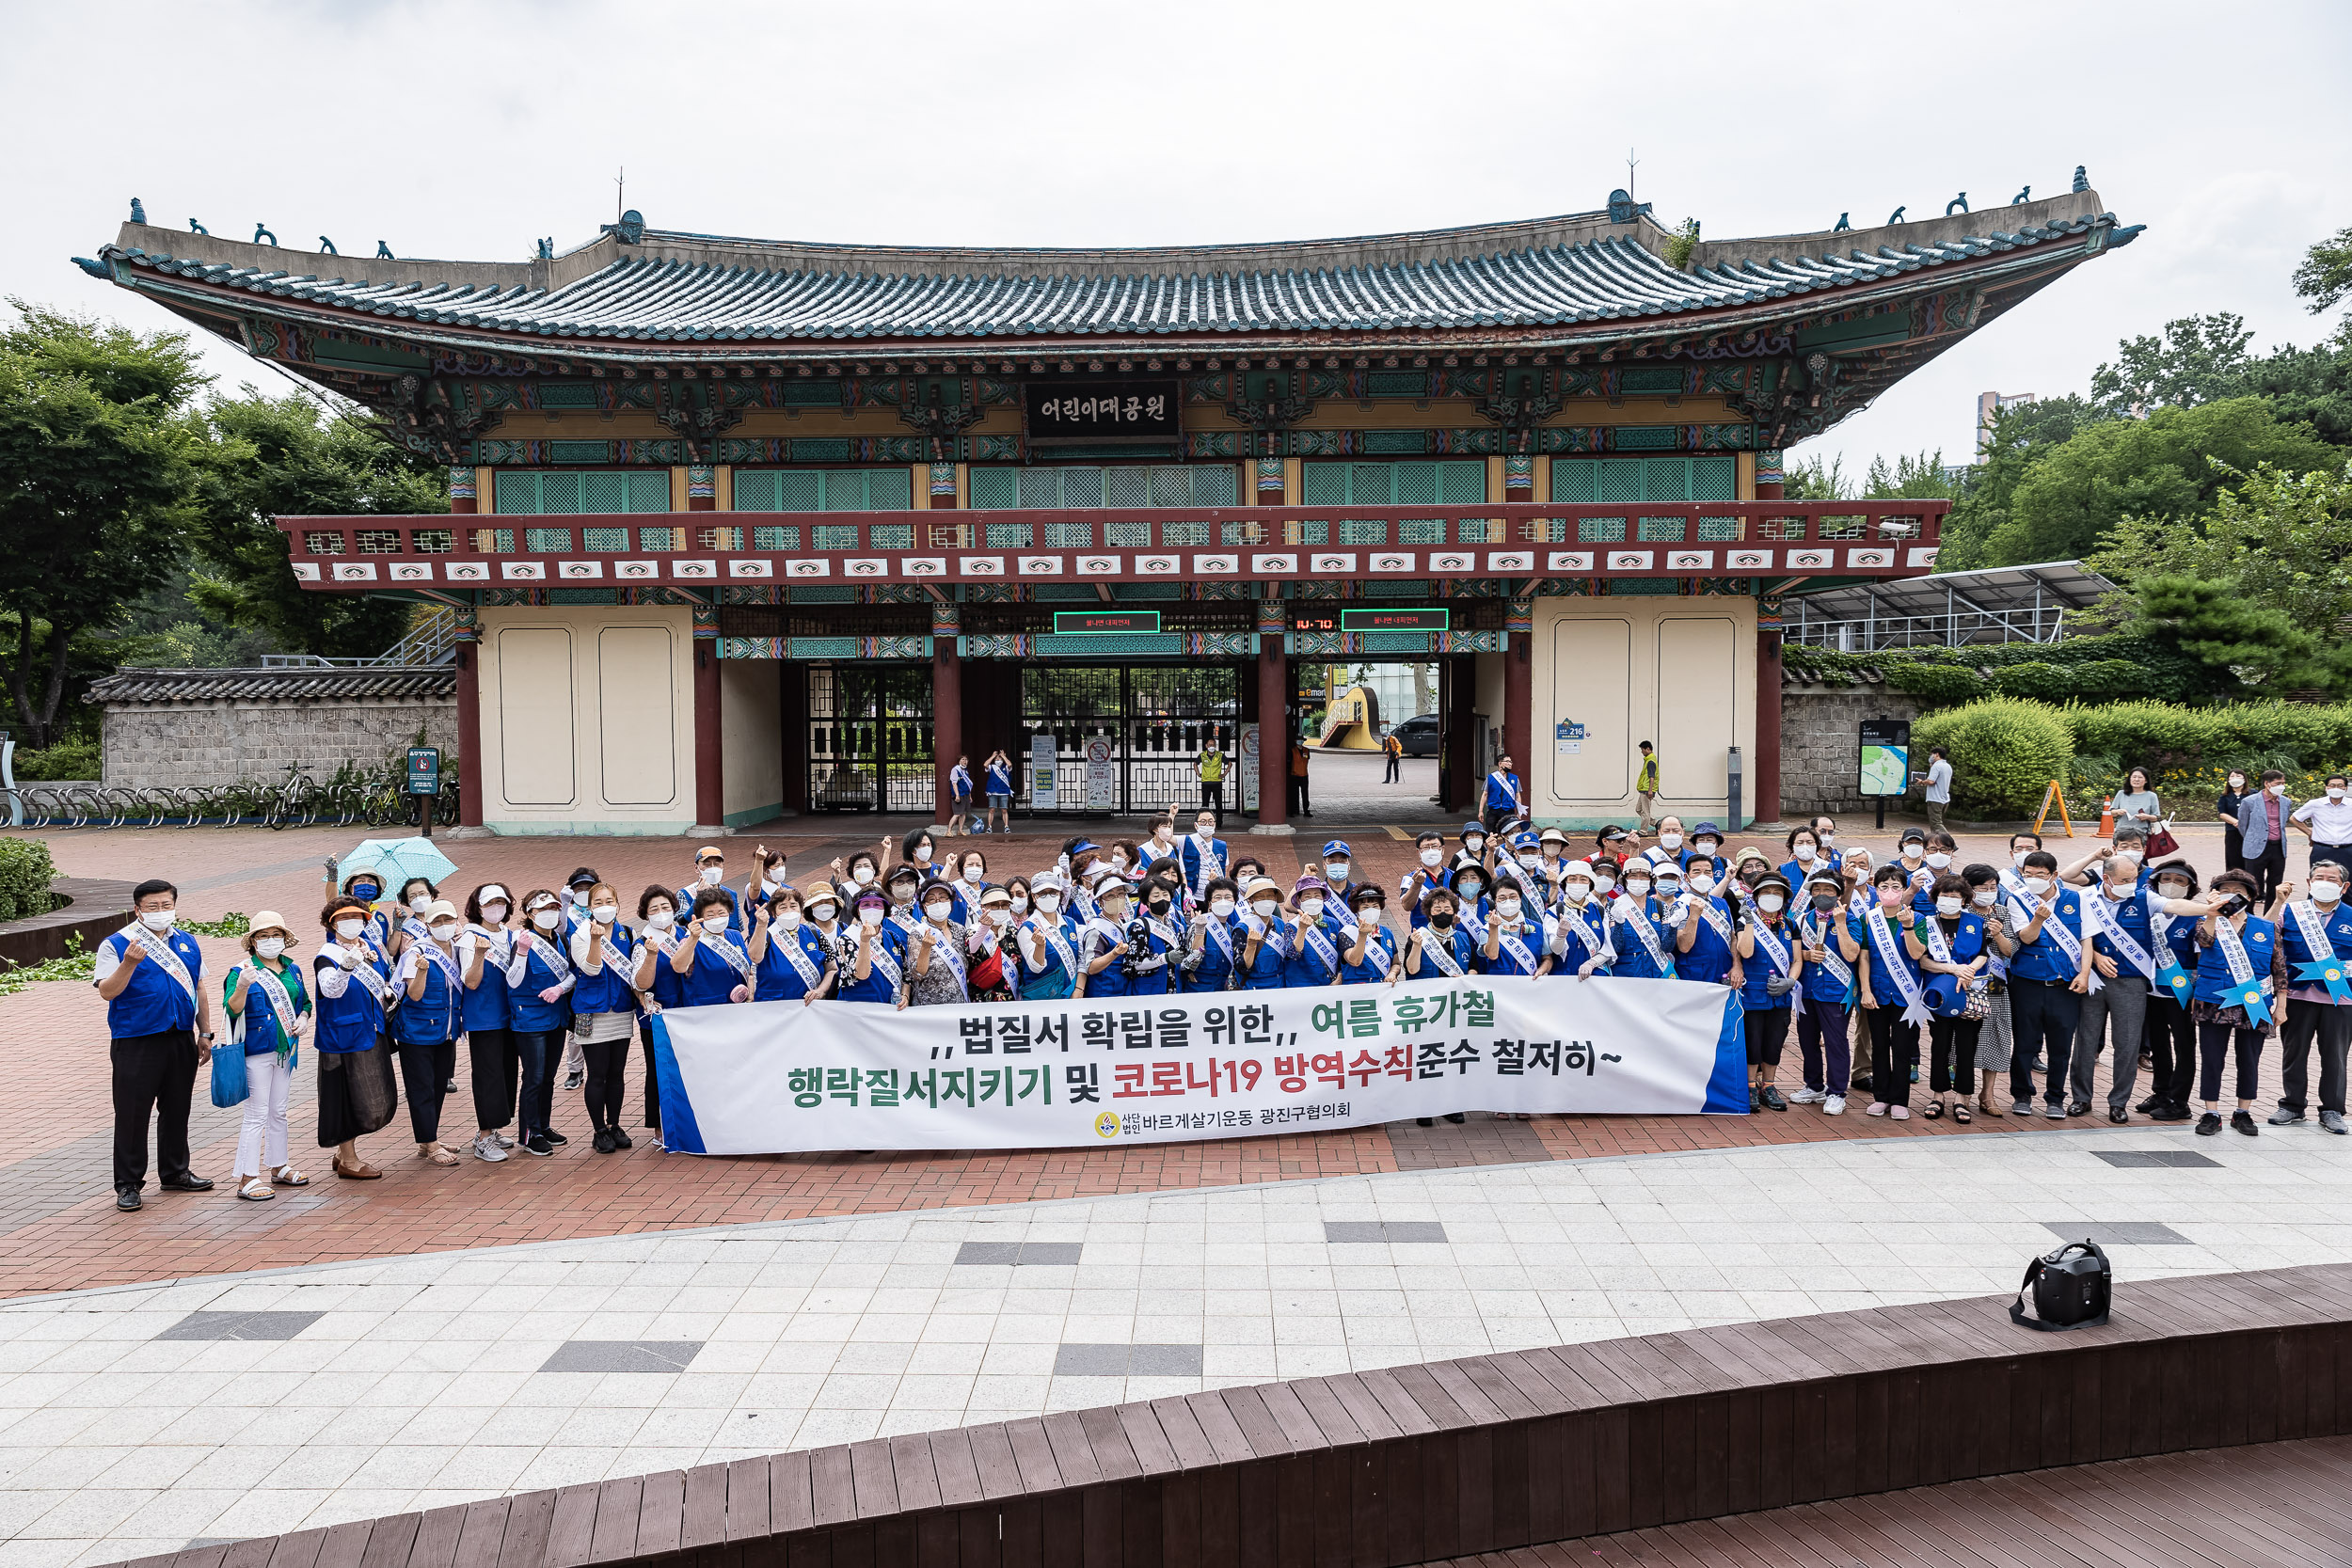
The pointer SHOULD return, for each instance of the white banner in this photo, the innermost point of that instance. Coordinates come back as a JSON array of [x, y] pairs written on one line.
[[1102, 781], [780, 1078], [1042, 772]]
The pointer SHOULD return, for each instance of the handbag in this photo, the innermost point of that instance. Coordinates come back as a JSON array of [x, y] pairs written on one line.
[[2161, 842], [1980, 1001], [229, 1086], [2072, 1289]]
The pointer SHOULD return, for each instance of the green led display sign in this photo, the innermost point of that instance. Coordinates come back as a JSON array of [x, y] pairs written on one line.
[[1396, 620]]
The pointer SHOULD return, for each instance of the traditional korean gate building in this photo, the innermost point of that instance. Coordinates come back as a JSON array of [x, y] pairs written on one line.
[[747, 526]]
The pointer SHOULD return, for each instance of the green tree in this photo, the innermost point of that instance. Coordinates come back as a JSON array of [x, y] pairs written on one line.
[[2021, 433], [273, 456], [1908, 478], [2307, 386], [2198, 360], [2211, 621], [97, 446], [1813, 480], [2173, 464], [2324, 279]]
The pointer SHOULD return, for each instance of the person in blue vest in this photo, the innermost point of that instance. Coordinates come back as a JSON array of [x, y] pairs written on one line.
[[1472, 852], [1159, 844], [1164, 926], [1429, 876], [1048, 944], [2118, 913], [1580, 921], [1215, 940], [1949, 941], [793, 962], [1829, 991], [540, 981], [1264, 958], [658, 985], [426, 1022], [711, 872], [350, 980], [999, 770], [1806, 859], [2172, 1029], [486, 1012], [1119, 960], [960, 797], [266, 1002], [1338, 876], [1645, 945], [1706, 945], [1441, 947], [1317, 939], [1893, 993], [2315, 933], [363, 885], [1472, 887], [2049, 970], [1521, 866], [1518, 937], [969, 880], [604, 1012], [417, 895], [1371, 955], [2240, 968], [769, 877], [714, 966], [151, 978], [1203, 854], [1772, 968], [1707, 846], [1504, 797]]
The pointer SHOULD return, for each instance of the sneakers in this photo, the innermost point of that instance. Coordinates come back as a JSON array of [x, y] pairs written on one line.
[[1807, 1097], [620, 1139], [1833, 1105], [2285, 1117], [503, 1140], [558, 1139], [1877, 1108], [2332, 1122], [574, 1080], [2243, 1121], [2020, 1107], [2149, 1106], [486, 1148], [2056, 1112], [1773, 1099], [2208, 1124], [2168, 1112], [537, 1144], [1898, 1112], [603, 1141], [1756, 1098]]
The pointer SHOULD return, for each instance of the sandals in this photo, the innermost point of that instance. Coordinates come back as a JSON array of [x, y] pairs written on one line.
[[1935, 1110], [286, 1176], [255, 1189], [435, 1154], [1960, 1113]]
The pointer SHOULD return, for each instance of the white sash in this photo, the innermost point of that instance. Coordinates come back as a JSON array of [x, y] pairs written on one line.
[[944, 945], [497, 947], [2315, 930], [1212, 864], [1312, 937], [878, 959], [1056, 943], [1441, 950], [1531, 882], [1826, 939], [1595, 943], [375, 984], [159, 949], [433, 955], [1774, 947], [550, 954], [1647, 935], [1222, 935], [281, 1008], [1509, 942], [1170, 938], [2234, 952], [1714, 917], [2095, 904], [788, 943], [1891, 955]]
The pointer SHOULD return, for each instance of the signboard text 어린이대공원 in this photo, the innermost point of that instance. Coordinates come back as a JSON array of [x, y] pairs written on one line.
[[1100, 411]]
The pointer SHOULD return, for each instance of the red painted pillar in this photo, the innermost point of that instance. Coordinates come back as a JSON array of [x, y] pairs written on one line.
[[1274, 735], [1519, 720], [946, 706], [470, 758], [710, 812]]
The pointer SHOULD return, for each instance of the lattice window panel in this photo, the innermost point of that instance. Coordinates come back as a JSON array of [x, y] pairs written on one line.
[[494, 541], [1715, 479], [823, 489], [1183, 536], [557, 491], [718, 539], [1842, 528], [319, 542], [1616, 481], [1243, 533], [1718, 529], [836, 536], [1127, 536], [1313, 532], [950, 536], [775, 536], [1421, 530], [378, 541], [432, 541], [996, 488], [891, 536], [1126, 487], [1010, 536], [1475, 530], [546, 541], [1069, 536], [661, 538], [1780, 528], [1599, 531], [1663, 531], [1545, 531], [1039, 488], [1355, 531], [604, 541]]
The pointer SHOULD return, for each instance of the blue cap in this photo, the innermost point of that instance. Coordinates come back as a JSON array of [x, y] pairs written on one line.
[[1339, 846], [1083, 845], [1708, 830], [1526, 841], [1469, 828]]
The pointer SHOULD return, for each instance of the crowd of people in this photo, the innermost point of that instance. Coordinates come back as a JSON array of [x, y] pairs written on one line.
[[2023, 969]]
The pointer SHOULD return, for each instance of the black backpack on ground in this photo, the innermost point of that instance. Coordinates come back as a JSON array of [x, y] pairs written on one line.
[[2071, 1288]]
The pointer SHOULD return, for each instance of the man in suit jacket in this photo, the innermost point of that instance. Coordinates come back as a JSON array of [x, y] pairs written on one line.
[[2261, 825]]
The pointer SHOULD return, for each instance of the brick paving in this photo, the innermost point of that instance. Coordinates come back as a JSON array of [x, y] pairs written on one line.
[[62, 1232]]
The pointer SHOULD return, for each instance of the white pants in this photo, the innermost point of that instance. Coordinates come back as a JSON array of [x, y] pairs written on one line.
[[575, 1060], [263, 1133]]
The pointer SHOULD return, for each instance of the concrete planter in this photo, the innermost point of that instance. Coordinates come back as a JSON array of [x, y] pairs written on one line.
[[97, 908]]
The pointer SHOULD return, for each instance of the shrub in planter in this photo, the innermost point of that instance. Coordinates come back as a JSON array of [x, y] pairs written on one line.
[[24, 873], [2005, 751]]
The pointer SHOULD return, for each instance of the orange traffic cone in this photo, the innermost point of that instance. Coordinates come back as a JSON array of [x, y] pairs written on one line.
[[2107, 820]]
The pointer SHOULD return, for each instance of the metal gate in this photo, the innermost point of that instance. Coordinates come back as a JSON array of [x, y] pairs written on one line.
[[869, 738], [1157, 719]]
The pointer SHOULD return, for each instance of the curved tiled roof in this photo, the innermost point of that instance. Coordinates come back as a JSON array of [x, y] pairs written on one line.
[[686, 300]]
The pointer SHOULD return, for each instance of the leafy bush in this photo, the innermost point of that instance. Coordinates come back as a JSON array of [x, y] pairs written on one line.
[[2090, 669], [2044, 683], [74, 759], [1936, 685], [24, 873], [2005, 751], [2168, 738]]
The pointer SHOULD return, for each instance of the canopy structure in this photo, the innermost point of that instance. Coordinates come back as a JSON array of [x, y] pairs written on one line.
[[1955, 610]]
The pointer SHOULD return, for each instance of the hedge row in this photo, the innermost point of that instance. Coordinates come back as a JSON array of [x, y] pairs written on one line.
[[24, 873], [2080, 668]]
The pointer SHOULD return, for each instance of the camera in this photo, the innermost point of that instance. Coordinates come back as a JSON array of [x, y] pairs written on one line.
[[1139, 947]]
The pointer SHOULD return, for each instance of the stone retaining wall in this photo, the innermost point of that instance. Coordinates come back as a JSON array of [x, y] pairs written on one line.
[[1821, 745], [187, 745]]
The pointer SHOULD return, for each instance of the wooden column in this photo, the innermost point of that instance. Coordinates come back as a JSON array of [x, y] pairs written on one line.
[[1273, 736], [462, 491], [1518, 721], [710, 814], [1768, 666], [702, 487], [470, 758], [946, 706], [792, 715]]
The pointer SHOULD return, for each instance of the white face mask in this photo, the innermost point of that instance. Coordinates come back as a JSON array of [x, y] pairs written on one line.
[[2275, 788], [1163, 834], [789, 919], [2335, 792], [420, 903], [605, 914], [1367, 917], [869, 918], [1911, 851], [923, 854], [1576, 893], [1048, 902], [662, 920], [1708, 848], [1984, 897], [1603, 883], [268, 947], [1827, 839], [822, 913], [1335, 870], [1430, 857], [2172, 890], [445, 931], [2036, 885], [1020, 903], [1266, 908], [578, 895], [2237, 787], [996, 915], [1638, 886], [1939, 860], [1310, 907], [1949, 905], [1806, 853], [2118, 892], [1702, 883], [158, 920], [1771, 903], [1529, 860], [2017, 858], [1220, 907], [349, 928], [862, 875], [1475, 847], [1205, 830], [1508, 907], [1670, 841], [937, 911], [1119, 863], [710, 875], [2326, 892], [494, 914], [2131, 857], [546, 919]]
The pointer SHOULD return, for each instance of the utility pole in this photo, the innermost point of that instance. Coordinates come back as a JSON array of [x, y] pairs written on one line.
[[1631, 163]]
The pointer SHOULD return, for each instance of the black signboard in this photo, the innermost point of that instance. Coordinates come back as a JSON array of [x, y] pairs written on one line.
[[1086, 623], [1396, 620], [1100, 410]]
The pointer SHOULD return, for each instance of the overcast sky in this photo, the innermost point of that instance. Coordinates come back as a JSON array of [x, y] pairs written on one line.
[[468, 129]]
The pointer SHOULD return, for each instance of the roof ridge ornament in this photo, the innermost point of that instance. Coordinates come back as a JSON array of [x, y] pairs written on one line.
[[2022, 197], [1896, 216], [1843, 224], [1622, 207], [326, 246], [2082, 180], [196, 227], [1959, 203], [629, 231], [384, 252], [260, 234], [138, 211]]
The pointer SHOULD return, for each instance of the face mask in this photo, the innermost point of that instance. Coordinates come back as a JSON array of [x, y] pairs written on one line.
[[1335, 870], [1670, 841], [2118, 892], [1442, 919], [2131, 857], [1220, 907], [937, 911], [1603, 883], [869, 918], [1430, 857], [1702, 884], [420, 903], [1508, 907], [1939, 860], [1771, 903], [1708, 848], [2276, 790], [1806, 853], [822, 913], [348, 928], [1265, 907], [1575, 892], [1159, 905], [1669, 888], [903, 896], [1368, 917], [2172, 890], [1048, 902], [268, 947], [604, 914], [662, 920], [1163, 835], [923, 854], [1638, 886], [494, 914], [2036, 885], [1475, 845], [2017, 858], [863, 875], [1203, 830], [1983, 897], [996, 916], [1529, 860], [1892, 894], [1949, 905], [975, 875], [547, 920], [1827, 839], [578, 895], [1119, 863], [1911, 851], [367, 890], [158, 920], [1825, 901], [710, 875], [2335, 792], [2326, 892], [445, 931], [1020, 903], [1310, 907]]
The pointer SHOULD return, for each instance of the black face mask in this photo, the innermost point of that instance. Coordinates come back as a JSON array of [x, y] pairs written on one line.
[[1159, 905], [1442, 919], [1825, 901]]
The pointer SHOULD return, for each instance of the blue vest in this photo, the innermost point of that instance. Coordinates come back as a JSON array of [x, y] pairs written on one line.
[[609, 990], [877, 987], [2338, 926], [1304, 968], [1379, 957], [1710, 957], [999, 779], [687, 895], [1760, 969], [531, 1015], [261, 1017], [778, 980], [1055, 979], [429, 1018], [1534, 940], [712, 980], [153, 1002], [1502, 796], [1884, 988], [1215, 966], [2042, 959], [353, 1020], [1821, 930], [489, 1004], [1188, 855], [2213, 965], [1268, 970], [1633, 959], [669, 986]]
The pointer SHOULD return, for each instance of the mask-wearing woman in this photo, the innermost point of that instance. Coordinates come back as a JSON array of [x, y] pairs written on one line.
[[767, 880], [714, 969], [657, 984], [994, 963], [266, 1003], [1047, 941], [604, 1010], [352, 981], [364, 886], [416, 896], [487, 1012], [539, 975], [2239, 957], [2233, 795], [1949, 940], [939, 955], [1265, 955], [794, 964], [1017, 898], [1372, 953], [426, 1024], [1317, 939], [878, 954], [921, 851], [1214, 938]]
